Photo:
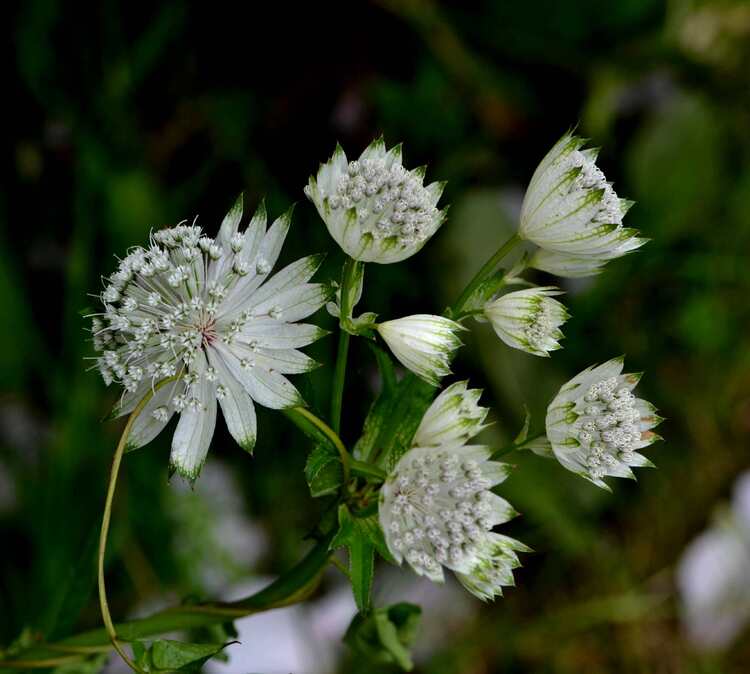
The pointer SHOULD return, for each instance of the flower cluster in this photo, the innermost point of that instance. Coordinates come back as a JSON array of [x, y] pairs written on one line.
[[437, 509], [374, 208], [573, 214], [198, 320], [192, 323], [596, 425]]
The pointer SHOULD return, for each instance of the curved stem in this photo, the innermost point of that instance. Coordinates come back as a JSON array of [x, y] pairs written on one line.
[[294, 586], [329, 434], [483, 273], [107, 516]]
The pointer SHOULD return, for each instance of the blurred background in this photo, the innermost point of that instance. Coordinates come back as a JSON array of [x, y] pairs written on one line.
[[122, 117]]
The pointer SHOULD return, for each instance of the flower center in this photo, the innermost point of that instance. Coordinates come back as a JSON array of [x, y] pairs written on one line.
[[608, 429]]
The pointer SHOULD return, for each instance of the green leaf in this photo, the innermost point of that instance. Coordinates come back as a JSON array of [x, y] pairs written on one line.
[[524, 432], [392, 422], [323, 471], [385, 635], [356, 539], [166, 655]]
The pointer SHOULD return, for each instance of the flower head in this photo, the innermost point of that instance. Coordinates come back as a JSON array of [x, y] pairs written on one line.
[[528, 319], [374, 208], [423, 343], [199, 320], [454, 417], [596, 425], [437, 508], [573, 214]]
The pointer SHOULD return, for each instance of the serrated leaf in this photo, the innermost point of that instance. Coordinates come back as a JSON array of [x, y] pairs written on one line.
[[392, 422], [386, 634], [323, 471], [354, 537], [166, 655]]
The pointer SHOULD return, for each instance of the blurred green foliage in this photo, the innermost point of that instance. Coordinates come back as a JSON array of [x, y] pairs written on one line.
[[124, 117]]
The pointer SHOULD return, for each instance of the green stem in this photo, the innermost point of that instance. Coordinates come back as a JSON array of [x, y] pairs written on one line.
[[367, 470], [293, 587], [352, 268], [483, 273], [320, 430], [106, 518], [339, 379]]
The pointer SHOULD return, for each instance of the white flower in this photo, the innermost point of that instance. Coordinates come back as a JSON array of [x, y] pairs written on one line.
[[454, 417], [713, 576], [573, 214], [596, 425], [436, 508], [528, 319], [208, 313], [374, 208], [423, 343]]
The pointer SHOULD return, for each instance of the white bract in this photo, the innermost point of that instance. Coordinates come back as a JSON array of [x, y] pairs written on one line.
[[423, 343], [573, 214], [200, 320], [436, 508], [374, 208], [529, 319], [596, 425]]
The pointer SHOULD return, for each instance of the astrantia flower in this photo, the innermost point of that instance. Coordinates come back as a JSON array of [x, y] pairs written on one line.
[[423, 343], [374, 208], [572, 212], [454, 417], [596, 425], [207, 313], [528, 319], [436, 508]]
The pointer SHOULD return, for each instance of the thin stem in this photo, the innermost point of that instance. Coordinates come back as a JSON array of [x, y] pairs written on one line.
[[367, 470], [107, 516], [352, 269], [328, 432], [483, 273], [293, 587], [339, 379]]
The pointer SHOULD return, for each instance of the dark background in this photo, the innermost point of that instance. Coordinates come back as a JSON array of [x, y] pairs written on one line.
[[121, 117]]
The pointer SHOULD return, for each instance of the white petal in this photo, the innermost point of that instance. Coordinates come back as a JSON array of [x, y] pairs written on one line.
[[295, 303], [236, 405], [230, 224], [269, 389], [194, 431], [146, 426], [270, 333]]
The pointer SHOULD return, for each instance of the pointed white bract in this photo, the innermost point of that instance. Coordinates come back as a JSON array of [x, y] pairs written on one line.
[[423, 343], [374, 208], [573, 214], [596, 426], [529, 319], [436, 508], [208, 313]]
